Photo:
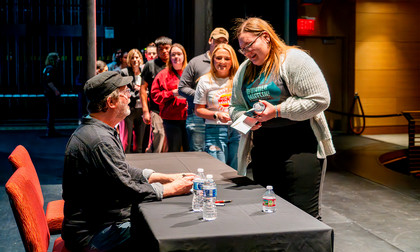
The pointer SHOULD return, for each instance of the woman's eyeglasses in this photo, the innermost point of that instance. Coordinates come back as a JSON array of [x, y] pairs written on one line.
[[246, 48]]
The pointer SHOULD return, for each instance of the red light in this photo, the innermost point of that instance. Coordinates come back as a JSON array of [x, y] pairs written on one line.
[[305, 26]]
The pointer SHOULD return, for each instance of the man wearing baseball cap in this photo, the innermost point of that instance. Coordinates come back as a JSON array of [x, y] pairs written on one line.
[[99, 187], [196, 68]]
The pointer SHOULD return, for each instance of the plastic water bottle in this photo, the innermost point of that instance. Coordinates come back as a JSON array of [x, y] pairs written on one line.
[[258, 107], [269, 200], [210, 193], [197, 201]]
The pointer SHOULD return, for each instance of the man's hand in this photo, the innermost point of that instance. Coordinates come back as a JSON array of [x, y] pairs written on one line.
[[168, 178], [178, 187], [173, 184]]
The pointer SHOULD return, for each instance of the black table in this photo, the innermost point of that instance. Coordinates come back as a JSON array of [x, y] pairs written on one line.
[[240, 225]]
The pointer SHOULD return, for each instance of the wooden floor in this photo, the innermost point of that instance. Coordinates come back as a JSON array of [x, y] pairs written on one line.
[[370, 207]]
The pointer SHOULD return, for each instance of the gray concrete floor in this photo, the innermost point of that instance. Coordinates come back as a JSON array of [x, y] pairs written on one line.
[[370, 207]]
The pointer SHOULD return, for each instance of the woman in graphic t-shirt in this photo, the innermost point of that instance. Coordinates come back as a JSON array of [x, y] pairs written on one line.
[[290, 140], [212, 99]]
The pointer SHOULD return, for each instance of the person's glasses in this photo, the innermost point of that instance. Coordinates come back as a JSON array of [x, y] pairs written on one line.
[[126, 93], [246, 48]]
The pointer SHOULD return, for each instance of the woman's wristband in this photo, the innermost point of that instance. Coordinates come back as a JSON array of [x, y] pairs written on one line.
[[277, 111]]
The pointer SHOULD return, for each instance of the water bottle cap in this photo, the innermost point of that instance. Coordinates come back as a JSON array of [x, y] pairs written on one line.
[[200, 170], [269, 187], [209, 176]]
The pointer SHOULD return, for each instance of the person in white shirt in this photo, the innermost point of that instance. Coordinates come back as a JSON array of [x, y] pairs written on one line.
[[212, 99]]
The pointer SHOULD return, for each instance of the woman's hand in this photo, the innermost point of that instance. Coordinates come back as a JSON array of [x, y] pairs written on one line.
[[268, 113], [146, 117], [175, 92], [256, 126], [252, 121], [223, 117]]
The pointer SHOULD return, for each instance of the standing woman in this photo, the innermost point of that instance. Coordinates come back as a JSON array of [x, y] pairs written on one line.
[[173, 108], [134, 122], [212, 99], [50, 78], [291, 139]]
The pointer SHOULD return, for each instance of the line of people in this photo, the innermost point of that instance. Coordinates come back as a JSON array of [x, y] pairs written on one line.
[[287, 146], [178, 105], [163, 117]]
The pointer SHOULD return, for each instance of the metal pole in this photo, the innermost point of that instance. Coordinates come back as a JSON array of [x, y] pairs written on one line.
[[287, 21], [290, 22], [90, 38]]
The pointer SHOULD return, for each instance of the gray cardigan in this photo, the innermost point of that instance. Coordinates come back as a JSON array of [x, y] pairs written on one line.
[[309, 98]]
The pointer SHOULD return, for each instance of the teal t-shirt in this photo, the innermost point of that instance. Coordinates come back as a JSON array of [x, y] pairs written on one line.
[[265, 88], [272, 90]]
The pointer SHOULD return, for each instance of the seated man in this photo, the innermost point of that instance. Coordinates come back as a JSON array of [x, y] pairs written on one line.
[[99, 187]]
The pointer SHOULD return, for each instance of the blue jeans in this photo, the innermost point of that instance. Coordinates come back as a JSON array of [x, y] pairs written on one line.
[[110, 238], [222, 142], [195, 131]]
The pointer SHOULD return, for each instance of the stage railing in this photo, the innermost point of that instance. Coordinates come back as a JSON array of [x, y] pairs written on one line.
[[413, 118]]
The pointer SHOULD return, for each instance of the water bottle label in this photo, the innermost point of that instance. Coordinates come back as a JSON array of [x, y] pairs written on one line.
[[210, 192], [198, 186], [269, 202]]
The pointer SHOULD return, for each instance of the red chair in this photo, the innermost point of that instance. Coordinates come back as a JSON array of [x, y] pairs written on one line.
[[20, 158], [29, 213]]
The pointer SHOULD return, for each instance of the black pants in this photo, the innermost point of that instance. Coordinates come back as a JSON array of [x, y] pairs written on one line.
[[176, 135], [285, 157], [52, 103], [134, 123]]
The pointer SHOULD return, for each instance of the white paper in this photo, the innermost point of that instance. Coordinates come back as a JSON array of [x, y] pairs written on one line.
[[244, 123]]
